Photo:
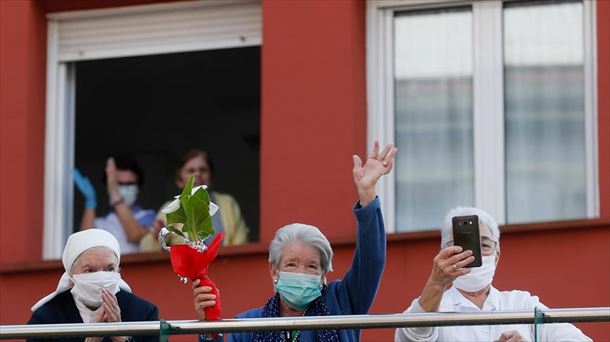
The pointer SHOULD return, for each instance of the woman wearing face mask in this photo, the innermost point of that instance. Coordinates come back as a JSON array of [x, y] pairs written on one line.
[[127, 221], [91, 289], [472, 291], [300, 257]]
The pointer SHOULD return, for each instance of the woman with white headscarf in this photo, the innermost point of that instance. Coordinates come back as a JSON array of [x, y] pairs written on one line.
[[91, 289]]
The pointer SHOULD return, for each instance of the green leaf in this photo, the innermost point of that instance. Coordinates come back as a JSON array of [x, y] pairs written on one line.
[[178, 216], [202, 222], [175, 231], [203, 195], [188, 187]]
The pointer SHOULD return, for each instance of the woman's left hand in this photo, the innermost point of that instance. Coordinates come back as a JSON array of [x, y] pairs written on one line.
[[111, 312], [367, 175]]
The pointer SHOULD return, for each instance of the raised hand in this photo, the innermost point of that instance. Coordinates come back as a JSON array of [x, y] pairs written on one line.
[[86, 188], [367, 175], [112, 184]]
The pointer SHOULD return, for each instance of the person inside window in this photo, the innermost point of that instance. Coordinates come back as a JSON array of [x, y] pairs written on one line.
[[127, 221], [228, 219], [300, 258], [452, 287], [91, 289]]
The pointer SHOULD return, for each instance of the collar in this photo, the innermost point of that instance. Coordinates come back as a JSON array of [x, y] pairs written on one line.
[[492, 302]]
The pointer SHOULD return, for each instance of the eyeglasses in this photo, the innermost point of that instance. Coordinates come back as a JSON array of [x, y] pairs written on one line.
[[488, 246], [202, 169], [127, 183]]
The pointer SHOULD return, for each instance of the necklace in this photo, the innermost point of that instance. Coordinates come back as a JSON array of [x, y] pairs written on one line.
[[293, 336]]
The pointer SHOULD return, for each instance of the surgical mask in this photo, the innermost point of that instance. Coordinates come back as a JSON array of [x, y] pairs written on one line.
[[479, 277], [298, 289], [88, 286], [129, 193]]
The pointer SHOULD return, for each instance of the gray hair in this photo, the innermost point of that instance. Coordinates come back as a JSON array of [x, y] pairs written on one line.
[[77, 261], [305, 234], [484, 218]]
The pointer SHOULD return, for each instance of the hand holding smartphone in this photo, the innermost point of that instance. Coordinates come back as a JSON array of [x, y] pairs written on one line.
[[466, 235]]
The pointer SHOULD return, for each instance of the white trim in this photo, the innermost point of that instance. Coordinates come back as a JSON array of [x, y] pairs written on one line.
[[488, 108], [141, 9], [381, 98], [590, 75], [52, 238]]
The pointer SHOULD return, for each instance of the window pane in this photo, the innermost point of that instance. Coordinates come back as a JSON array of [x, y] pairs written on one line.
[[544, 99], [433, 113]]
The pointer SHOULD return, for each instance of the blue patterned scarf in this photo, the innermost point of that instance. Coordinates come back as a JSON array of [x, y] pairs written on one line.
[[316, 308]]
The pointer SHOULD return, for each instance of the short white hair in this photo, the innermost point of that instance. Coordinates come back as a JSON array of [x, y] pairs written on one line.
[[484, 218], [305, 234]]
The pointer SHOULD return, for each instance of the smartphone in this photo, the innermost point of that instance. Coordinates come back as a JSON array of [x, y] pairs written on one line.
[[466, 235]]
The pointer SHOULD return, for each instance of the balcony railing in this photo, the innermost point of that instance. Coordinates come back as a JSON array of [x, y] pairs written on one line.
[[165, 328]]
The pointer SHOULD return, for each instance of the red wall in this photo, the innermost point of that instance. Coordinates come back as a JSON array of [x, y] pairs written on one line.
[[313, 113], [313, 120], [22, 101]]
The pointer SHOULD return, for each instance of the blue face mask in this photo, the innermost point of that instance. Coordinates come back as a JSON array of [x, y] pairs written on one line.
[[298, 289]]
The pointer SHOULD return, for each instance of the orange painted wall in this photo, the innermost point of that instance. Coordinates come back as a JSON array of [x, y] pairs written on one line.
[[313, 118]]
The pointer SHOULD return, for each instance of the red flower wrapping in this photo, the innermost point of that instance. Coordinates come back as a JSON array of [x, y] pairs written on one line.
[[193, 264]]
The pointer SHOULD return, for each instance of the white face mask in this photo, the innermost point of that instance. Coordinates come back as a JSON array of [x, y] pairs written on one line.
[[479, 277], [88, 286], [129, 193]]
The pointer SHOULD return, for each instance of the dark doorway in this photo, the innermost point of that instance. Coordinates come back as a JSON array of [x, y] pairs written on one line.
[[155, 108]]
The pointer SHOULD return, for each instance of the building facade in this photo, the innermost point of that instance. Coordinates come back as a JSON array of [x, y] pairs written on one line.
[[323, 85]]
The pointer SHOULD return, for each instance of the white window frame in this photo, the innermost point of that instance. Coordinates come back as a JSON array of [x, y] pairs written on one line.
[[489, 184], [82, 35]]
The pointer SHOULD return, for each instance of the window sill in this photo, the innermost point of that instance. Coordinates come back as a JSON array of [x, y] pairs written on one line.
[[262, 248]]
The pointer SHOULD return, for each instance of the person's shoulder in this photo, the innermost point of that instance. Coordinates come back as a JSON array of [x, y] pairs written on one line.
[[126, 297], [52, 310], [252, 313], [517, 299], [221, 196]]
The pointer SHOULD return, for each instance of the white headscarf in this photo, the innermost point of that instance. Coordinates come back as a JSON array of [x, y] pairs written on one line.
[[76, 245]]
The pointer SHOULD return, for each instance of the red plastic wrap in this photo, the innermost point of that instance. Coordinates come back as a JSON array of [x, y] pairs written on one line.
[[193, 264]]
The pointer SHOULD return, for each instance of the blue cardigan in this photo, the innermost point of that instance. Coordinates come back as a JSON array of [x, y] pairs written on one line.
[[62, 309], [354, 294]]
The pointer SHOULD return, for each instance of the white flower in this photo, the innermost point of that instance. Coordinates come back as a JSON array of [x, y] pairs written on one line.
[[173, 206], [213, 209], [197, 188]]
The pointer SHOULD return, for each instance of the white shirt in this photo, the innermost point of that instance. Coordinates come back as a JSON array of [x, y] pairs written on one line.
[[454, 301]]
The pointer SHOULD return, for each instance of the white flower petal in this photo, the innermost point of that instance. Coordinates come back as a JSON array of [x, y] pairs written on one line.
[[170, 208], [213, 209], [197, 188]]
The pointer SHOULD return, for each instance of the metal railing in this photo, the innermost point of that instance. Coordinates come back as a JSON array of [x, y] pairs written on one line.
[[164, 328]]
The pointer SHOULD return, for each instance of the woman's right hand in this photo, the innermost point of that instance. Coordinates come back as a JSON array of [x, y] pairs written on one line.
[[449, 264], [202, 298]]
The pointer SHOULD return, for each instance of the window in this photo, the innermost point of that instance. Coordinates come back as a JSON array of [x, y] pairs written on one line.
[[491, 104], [77, 39]]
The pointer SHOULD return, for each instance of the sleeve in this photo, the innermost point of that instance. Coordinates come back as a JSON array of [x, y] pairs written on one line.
[[358, 288], [240, 230], [556, 331], [416, 334], [147, 219]]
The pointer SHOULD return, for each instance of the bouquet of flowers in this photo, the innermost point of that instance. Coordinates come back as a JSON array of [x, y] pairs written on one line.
[[189, 224]]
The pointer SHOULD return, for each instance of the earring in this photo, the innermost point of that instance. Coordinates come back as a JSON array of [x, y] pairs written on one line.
[[275, 281]]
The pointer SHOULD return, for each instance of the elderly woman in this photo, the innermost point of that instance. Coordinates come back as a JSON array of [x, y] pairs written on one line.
[[301, 257], [91, 289], [472, 292]]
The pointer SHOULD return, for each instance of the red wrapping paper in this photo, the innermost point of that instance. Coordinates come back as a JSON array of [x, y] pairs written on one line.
[[193, 264]]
